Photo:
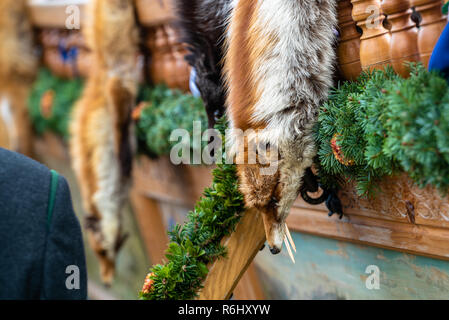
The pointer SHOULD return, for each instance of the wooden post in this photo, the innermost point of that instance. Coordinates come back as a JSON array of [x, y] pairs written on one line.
[[159, 180], [52, 14], [404, 36], [242, 246], [349, 47], [375, 40], [431, 25], [151, 225]]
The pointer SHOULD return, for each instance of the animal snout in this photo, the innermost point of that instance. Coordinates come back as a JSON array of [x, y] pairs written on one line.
[[274, 232], [275, 250]]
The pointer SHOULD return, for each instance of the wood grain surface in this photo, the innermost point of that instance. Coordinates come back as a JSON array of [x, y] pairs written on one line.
[[242, 246]]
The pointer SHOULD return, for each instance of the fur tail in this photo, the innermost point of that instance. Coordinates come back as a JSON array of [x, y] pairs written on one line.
[[102, 143]]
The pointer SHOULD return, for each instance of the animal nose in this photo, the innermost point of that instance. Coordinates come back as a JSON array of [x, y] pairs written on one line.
[[275, 250]]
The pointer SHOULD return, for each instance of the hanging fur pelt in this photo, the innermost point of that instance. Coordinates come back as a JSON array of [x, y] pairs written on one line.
[[279, 67], [203, 27], [102, 140], [18, 65]]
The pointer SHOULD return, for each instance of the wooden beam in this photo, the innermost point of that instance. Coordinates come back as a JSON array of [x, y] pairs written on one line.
[[242, 246], [52, 14], [151, 225], [406, 237], [155, 12], [50, 144], [159, 179]]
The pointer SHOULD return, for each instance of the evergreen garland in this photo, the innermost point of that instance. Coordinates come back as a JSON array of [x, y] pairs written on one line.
[[197, 242], [386, 124], [61, 94], [164, 111]]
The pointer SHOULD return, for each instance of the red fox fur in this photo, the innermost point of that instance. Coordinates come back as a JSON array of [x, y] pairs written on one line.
[[279, 65], [102, 140], [18, 66]]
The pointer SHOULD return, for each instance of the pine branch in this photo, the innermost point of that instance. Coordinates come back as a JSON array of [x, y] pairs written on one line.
[[387, 124]]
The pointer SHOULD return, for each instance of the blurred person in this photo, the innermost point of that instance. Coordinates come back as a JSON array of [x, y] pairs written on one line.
[[41, 246]]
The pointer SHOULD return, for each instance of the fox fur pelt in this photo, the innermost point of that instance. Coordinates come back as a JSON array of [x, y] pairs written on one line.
[[203, 26], [102, 142], [279, 67], [18, 66]]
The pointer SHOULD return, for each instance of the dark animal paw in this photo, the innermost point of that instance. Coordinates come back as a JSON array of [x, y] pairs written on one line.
[[333, 204], [310, 184]]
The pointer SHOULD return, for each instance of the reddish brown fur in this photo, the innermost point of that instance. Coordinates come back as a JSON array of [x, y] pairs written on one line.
[[248, 45], [87, 111], [101, 129], [242, 95]]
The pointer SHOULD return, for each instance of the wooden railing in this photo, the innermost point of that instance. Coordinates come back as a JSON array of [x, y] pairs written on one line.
[[402, 217], [373, 34], [164, 52], [390, 32]]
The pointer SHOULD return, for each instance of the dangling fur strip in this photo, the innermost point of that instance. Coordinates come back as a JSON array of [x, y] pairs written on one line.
[[279, 66], [203, 27], [102, 141], [18, 67]]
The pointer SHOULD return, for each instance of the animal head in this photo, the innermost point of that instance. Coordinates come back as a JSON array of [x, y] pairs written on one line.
[[104, 246], [262, 190]]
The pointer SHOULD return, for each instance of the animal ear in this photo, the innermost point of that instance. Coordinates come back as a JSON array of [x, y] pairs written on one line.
[[120, 241]]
